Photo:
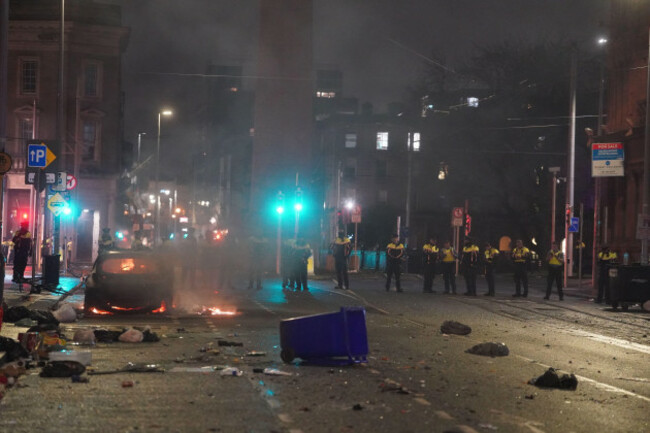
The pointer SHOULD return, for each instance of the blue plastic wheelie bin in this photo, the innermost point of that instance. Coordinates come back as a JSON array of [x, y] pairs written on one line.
[[331, 338]]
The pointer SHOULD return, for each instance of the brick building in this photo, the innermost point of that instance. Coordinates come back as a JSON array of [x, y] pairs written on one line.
[[92, 126], [626, 106]]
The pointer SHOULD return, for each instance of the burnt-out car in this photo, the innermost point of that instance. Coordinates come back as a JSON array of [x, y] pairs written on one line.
[[121, 281]]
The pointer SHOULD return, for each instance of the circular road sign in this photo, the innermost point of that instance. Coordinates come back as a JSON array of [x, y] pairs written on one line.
[[71, 182], [5, 162], [458, 212]]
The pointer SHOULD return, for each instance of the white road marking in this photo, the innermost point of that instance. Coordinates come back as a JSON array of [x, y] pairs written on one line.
[[625, 344], [600, 385]]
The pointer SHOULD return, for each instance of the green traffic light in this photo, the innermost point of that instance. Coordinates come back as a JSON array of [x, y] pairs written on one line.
[[280, 210], [298, 207]]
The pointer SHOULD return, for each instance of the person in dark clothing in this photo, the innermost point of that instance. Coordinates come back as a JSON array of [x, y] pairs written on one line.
[[448, 260], [301, 253], [106, 242], [555, 262], [286, 264], [341, 251], [490, 255], [520, 257], [606, 257], [256, 247], [22, 241], [394, 253], [469, 261], [430, 258]]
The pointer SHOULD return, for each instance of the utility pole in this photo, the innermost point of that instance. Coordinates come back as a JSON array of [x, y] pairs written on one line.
[[4, 50], [555, 171], [60, 123], [570, 184], [646, 163], [597, 182]]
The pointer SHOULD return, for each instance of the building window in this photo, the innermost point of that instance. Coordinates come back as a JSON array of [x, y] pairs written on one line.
[[382, 141], [326, 95], [414, 141], [383, 196], [472, 101], [28, 77], [91, 79], [350, 141], [90, 139], [380, 169], [350, 168], [26, 128]]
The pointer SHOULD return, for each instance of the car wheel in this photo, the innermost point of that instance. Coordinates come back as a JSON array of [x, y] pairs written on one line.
[[91, 300]]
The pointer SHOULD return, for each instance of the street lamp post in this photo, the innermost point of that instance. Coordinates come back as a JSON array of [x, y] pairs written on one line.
[[555, 171], [140, 134], [157, 183], [278, 244], [597, 182]]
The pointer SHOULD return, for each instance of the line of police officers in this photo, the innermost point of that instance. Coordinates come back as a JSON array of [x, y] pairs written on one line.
[[472, 261]]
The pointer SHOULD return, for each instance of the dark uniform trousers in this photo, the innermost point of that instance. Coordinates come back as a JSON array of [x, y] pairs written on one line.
[[342, 273], [554, 275], [603, 283], [521, 278], [449, 275], [469, 272], [393, 268], [489, 277], [429, 275]]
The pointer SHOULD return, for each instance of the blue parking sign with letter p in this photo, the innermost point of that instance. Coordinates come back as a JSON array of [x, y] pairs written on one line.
[[574, 225], [37, 155]]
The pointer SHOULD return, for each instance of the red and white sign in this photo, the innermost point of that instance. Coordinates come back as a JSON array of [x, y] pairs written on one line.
[[457, 215], [355, 216], [71, 182]]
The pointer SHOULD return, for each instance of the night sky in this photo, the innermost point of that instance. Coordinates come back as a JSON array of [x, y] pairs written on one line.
[[374, 43]]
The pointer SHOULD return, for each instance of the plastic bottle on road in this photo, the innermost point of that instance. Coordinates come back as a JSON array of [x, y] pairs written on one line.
[[231, 371], [626, 258]]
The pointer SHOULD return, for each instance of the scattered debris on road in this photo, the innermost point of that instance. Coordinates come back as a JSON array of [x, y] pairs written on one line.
[[62, 369], [231, 371], [227, 343], [131, 368], [455, 328], [65, 314], [84, 336], [489, 349], [551, 379], [131, 336], [127, 384]]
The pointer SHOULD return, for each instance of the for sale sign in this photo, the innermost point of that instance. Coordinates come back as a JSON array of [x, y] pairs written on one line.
[[607, 160]]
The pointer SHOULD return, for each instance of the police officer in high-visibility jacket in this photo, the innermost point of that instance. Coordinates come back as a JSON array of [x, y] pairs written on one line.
[[430, 253], [341, 251], [605, 258], [520, 257], [490, 256], [22, 241], [394, 253], [448, 261], [469, 261], [555, 262]]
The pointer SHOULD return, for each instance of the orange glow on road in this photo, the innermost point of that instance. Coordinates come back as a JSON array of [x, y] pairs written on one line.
[[162, 309], [113, 307], [216, 311], [100, 312]]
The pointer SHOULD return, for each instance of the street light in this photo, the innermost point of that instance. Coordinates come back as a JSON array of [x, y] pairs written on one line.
[[140, 134], [166, 113]]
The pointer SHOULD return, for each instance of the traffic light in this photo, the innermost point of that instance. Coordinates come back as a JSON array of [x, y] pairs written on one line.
[[24, 215], [279, 208], [468, 224], [298, 202], [279, 205]]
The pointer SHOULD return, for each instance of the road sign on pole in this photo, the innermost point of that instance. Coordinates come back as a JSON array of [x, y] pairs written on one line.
[[71, 182], [56, 203], [355, 216], [39, 155], [457, 215], [574, 225]]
